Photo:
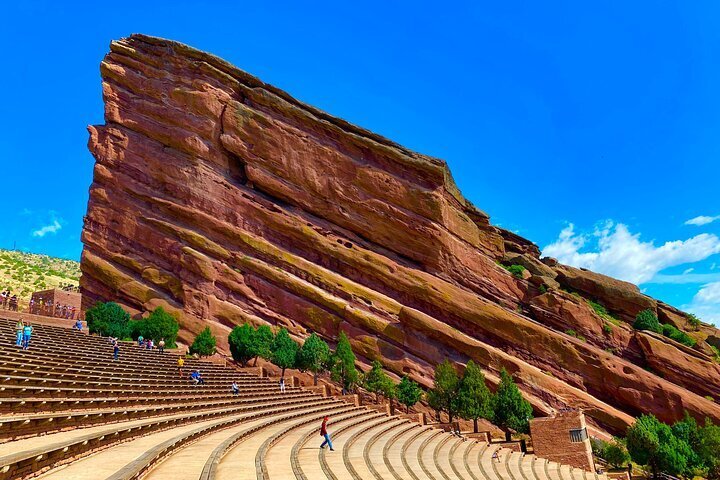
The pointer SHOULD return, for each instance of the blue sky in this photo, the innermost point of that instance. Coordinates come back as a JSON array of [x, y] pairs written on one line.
[[591, 129]]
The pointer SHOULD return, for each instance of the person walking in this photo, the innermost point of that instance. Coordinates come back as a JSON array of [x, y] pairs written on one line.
[[282, 384], [324, 433], [140, 341], [235, 388], [19, 328], [116, 350], [78, 326], [181, 364], [161, 345], [27, 334]]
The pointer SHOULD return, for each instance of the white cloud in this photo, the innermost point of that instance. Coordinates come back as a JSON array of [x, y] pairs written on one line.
[[706, 303], [53, 227], [688, 270], [621, 254], [702, 220]]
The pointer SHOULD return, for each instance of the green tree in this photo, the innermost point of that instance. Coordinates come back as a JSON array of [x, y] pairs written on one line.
[[435, 402], [409, 392], [474, 398], [342, 364], [647, 320], [688, 431], [511, 412], [708, 449], [447, 383], [389, 389], [615, 453], [652, 443], [242, 343], [108, 319], [314, 355], [284, 351], [159, 324], [264, 338], [376, 380], [204, 343]]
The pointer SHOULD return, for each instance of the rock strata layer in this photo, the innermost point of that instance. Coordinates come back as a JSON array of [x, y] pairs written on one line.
[[226, 201]]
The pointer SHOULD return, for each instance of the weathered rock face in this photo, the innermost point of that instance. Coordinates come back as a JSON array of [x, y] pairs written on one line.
[[226, 200]]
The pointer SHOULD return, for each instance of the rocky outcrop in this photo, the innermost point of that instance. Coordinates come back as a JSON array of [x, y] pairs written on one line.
[[227, 201]]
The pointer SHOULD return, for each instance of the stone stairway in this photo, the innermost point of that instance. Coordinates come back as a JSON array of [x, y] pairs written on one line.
[[69, 411]]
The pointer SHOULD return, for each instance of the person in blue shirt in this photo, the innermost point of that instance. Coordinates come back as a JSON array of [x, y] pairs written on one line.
[[78, 325], [27, 333], [197, 377]]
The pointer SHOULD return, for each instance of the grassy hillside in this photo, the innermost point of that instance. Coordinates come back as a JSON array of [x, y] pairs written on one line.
[[24, 273]]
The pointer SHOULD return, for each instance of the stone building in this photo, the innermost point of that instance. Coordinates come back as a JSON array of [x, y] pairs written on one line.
[[45, 302], [563, 439]]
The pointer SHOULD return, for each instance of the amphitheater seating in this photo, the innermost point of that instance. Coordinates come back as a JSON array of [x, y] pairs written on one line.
[[69, 411]]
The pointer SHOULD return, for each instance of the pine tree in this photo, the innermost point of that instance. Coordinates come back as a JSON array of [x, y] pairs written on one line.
[[376, 380], [284, 351], [242, 343], [108, 319], [343, 364], [314, 355], [474, 399], [511, 411], [615, 453], [653, 443], [159, 324], [408, 392], [263, 341], [444, 393], [204, 344]]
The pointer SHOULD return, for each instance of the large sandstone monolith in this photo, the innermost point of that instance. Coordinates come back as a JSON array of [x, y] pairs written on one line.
[[226, 201]]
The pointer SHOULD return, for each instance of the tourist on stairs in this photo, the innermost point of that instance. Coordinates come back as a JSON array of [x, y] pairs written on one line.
[[116, 350], [27, 333], [282, 384], [235, 388], [324, 433], [19, 333], [181, 364], [197, 377], [161, 345]]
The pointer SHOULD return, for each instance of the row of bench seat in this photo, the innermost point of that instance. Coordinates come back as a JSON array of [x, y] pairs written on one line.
[[65, 399]]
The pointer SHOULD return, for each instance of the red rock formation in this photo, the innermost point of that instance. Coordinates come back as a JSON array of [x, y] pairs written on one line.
[[226, 200]]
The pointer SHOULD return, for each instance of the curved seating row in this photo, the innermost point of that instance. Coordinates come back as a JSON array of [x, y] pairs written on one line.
[[68, 411]]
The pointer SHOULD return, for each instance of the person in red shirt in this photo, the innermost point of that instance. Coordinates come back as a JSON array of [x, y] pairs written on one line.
[[325, 434]]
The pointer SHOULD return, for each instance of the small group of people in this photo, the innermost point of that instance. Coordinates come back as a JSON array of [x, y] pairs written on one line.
[[8, 300], [23, 334], [56, 309], [149, 344]]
